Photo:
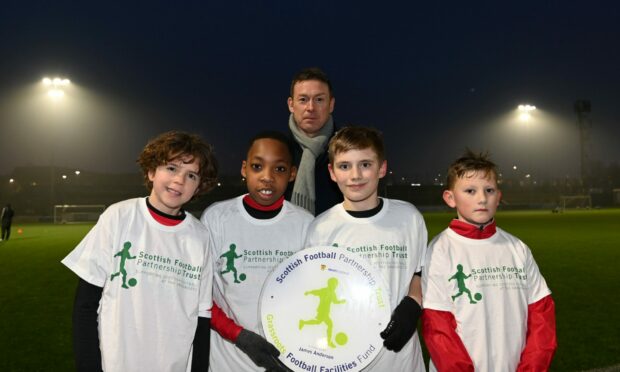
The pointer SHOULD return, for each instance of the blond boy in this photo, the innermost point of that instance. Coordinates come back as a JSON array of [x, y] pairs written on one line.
[[486, 305]]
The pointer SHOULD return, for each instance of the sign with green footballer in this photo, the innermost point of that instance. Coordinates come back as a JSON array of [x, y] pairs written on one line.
[[324, 308]]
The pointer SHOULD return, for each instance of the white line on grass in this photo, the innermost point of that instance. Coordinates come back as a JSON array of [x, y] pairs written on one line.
[[615, 368]]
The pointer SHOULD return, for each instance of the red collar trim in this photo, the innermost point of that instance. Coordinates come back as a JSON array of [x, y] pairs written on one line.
[[166, 221], [472, 231], [265, 208]]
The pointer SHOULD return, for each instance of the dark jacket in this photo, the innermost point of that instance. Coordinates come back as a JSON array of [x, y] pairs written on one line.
[[7, 215]]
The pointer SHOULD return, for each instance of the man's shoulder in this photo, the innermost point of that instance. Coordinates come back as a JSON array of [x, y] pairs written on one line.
[[295, 146]]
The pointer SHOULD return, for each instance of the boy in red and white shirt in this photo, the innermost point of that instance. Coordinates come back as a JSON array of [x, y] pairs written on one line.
[[486, 305]]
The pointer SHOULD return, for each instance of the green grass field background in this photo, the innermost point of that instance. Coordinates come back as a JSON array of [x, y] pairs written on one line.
[[577, 252]]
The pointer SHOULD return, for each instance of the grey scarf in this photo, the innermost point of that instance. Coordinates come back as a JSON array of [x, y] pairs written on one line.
[[304, 194]]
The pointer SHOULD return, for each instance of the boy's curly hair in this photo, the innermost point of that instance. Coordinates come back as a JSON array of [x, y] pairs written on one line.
[[175, 145], [471, 161]]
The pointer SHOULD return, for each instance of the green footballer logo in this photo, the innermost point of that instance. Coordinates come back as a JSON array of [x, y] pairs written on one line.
[[124, 256], [230, 256], [460, 277]]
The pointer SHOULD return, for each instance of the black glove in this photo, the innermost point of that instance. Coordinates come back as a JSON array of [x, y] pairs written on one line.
[[402, 325], [262, 353]]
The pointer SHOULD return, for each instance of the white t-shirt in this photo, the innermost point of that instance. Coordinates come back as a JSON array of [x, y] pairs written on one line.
[[487, 284], [156, 281], [394, 242], [259, 246]]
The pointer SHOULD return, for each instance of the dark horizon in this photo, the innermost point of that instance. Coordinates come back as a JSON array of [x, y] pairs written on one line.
[[434, 79]]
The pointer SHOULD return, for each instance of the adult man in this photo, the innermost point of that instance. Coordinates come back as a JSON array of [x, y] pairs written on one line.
[[311, 103], [7, 218]]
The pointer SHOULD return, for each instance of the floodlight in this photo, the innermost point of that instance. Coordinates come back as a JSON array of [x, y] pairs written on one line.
[[56, 82], [524, 112], [55, 94]]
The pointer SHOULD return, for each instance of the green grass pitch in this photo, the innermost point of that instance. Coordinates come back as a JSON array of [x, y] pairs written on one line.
[[577, 252]]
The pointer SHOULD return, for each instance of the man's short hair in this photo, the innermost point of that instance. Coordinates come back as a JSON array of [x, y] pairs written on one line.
[[471, 162], [274, 135], [356, 138], [311, 73], [175, 145]]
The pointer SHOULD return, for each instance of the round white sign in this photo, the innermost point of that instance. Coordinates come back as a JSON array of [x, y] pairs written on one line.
[[324, 308]]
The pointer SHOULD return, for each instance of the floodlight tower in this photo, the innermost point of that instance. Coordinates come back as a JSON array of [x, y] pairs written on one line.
[[525, 116], [55, 91], [583, 109]]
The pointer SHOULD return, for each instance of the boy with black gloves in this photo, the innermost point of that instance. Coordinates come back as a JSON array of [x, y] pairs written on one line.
[[389, 234], [249, 236], [403, 323]]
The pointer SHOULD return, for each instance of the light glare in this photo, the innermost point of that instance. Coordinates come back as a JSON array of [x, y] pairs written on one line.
[[55, 85], [55, 94]]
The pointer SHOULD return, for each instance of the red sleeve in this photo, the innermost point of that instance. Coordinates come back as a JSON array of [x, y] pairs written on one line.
[[541, 341], [222, 324], [445, 346]]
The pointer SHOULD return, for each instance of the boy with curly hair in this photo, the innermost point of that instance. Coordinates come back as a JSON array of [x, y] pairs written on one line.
[[145, 274]]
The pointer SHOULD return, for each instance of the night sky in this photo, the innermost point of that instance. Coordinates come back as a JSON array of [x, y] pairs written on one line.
[[434, 78]]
